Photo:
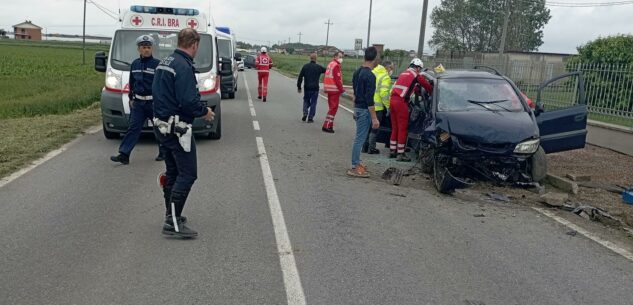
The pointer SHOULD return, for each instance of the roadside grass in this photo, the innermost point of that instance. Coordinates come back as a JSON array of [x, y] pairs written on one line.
[[292, 64], [27, 139]]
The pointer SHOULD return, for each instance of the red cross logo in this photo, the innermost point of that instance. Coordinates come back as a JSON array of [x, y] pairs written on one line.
[[137, 20], [192, 23]]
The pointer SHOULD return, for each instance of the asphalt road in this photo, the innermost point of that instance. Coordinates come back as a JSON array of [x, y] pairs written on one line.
[[80, 230]]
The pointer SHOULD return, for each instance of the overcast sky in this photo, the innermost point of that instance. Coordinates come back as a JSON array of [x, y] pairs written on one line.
[[394, 23]]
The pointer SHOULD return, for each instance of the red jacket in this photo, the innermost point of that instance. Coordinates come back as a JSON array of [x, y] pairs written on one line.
[[406, 83], [263, 62], [333, 80]]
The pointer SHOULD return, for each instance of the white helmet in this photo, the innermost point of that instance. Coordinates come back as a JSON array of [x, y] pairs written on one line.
[[417, 63], [263, 50]]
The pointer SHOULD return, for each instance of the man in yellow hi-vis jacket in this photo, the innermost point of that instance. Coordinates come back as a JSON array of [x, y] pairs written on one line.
[[381, 102]]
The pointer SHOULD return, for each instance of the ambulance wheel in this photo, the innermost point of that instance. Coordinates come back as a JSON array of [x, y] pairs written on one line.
[[110, 135], [218, 131], [231, 95]]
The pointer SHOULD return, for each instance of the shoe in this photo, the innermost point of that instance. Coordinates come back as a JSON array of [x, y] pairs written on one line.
[[159, 158], [264, 99], [304, 117], [403, 158], [360, 172], [393, 155], [259, 97], [179, 229], [374, 151], [328, 130], [310, 121], [121, 158]]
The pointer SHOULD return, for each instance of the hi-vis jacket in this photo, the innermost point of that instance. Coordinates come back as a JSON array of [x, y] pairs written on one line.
[[263, 62], [406, 82], [383, 86], [333, 80]]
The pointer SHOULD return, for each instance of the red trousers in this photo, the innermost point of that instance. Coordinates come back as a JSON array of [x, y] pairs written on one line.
[[262, 83], [399, 124], [332, 101]]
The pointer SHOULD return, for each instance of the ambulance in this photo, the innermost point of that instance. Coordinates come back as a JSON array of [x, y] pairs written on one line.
[[227, 55], [162, 24]]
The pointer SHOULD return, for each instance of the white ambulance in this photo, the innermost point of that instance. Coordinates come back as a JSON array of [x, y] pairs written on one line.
[[163, 24]]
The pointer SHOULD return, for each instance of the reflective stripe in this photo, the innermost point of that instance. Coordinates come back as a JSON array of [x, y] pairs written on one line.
[[173, 217], [166, 68], [143, 71], [143, 98], [136, 71]]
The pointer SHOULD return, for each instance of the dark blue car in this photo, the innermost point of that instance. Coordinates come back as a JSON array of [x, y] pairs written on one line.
[[478, 125]]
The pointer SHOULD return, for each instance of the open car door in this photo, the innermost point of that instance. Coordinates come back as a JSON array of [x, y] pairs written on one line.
[[561, 113]]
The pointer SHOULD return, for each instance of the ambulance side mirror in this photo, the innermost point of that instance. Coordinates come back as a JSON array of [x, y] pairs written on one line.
[[226, 68], [101, 61]]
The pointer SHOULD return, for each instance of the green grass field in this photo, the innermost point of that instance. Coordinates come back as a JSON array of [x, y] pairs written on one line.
[[291, 64], [47, 97], [39, 78]]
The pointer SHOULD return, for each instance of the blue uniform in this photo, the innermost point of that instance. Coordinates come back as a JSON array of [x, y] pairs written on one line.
[[141, 109], [176, 93]]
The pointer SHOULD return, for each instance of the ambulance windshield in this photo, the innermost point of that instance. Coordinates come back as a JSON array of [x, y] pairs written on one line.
[[224, 48], [124, 48]]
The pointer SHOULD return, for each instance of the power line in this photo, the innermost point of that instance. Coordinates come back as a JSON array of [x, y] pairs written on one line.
[[106, 11]]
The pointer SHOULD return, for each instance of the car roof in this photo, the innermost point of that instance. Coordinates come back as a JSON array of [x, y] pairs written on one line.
[[448, 74]]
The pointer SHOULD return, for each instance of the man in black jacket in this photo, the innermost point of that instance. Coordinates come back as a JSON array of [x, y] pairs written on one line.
[[311, 72]]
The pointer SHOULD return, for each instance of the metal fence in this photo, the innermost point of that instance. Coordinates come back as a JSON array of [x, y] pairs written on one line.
[[609, 88]]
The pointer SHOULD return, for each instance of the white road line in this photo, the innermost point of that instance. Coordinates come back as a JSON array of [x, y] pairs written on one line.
[[339, 105], [292, 281], [607, 244], [253, 113], [52, 154]]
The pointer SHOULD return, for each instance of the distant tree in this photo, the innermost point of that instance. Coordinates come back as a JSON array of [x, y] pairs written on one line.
[[477, 25], [596, 58], [290, 50], [3, 33]]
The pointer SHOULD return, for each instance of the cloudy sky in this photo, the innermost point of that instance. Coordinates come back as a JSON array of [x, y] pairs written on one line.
[[394, 23]]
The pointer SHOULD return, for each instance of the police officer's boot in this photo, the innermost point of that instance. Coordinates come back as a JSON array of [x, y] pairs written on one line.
[[174, 225], [122, 158], [160, 157], [167, 196]]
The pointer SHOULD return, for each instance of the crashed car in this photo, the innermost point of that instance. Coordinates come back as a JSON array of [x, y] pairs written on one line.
[[478, 126]]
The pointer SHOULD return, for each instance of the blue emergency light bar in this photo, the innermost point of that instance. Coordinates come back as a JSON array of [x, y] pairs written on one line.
[[224, 29], [164, 10]]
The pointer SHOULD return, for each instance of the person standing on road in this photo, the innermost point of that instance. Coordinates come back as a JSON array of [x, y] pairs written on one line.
[[141, 106], [333, 86], [364, 83], [311, 72], [263, 63], [400, 94], [176, 104], [381, 102]]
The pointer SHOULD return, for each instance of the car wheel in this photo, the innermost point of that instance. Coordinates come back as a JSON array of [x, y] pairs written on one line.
[[441, 177], [108, 134], [231, 95], [218, 131], [538, 165]]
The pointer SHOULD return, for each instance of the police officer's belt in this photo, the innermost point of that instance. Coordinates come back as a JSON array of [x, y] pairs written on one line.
[[143, 98]]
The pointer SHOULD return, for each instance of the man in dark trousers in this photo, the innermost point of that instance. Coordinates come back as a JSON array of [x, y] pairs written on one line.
[[312, 73], [141, 106], [176, 104]]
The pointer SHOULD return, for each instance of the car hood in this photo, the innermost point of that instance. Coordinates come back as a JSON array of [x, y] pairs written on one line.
[[502, 127]]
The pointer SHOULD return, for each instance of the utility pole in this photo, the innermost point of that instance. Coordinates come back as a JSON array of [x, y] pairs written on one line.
[[369, 25], [300, 36], [425, 7], [84, 36], [327, 37], [504, 32]]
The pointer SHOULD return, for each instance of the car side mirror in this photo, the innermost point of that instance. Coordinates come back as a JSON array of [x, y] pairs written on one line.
[[539, 108], [101, 61]]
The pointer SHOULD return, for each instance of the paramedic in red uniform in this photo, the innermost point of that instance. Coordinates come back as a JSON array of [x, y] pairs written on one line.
[[402, 89], [333, 86], [263, 63]]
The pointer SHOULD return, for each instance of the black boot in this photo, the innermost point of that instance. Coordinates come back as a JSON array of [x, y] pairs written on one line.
[[167, 196], [175, 225], [121, 158], [259, 97], [304, 117], [264, 99], [160, 157], [365, 148]]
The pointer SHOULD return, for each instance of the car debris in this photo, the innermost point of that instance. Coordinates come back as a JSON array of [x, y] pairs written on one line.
[[627, 196], [597, 214], [498, 197]]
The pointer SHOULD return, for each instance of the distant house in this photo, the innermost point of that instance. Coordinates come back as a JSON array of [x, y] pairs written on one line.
[[27, 31]]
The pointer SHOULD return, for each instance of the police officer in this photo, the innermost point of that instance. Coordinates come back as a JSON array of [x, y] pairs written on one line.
[[176, 104], [141, 106]]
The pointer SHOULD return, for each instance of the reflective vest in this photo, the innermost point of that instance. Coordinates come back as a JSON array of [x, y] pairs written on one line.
[[383, 85], [263, 62], [332, 77], [404, 83]]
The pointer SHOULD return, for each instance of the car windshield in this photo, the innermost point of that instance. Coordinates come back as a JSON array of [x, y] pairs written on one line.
[[224, 48], [124, 49], [471, 94]]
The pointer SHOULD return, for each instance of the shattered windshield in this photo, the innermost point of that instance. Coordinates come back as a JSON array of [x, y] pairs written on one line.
[[124, 49], [470, 94]]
